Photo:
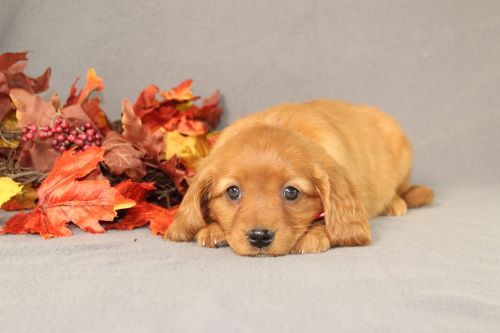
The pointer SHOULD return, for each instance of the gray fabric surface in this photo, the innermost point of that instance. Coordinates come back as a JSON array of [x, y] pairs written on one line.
[[434, 270], [434, 65]]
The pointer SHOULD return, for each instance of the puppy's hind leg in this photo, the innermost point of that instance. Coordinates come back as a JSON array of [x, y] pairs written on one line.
[[396, 207], [413, 197], [417, 196]]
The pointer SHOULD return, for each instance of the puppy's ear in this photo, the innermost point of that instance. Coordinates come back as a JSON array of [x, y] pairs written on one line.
[[345, 217], [190, 216]]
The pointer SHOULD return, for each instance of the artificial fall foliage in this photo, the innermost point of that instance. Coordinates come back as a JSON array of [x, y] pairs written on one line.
[[68, 195], [71, 165], [143, 213], [12, 76]]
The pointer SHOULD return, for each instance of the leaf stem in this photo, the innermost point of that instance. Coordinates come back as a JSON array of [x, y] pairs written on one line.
[[54, 116]]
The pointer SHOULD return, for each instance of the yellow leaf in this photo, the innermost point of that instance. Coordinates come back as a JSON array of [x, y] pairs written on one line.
[[122, 203], [188, 148], [24, 200], [184, 106], [9, 188]]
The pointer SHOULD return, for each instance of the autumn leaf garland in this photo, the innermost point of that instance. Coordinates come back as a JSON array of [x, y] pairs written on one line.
[[150, 155], [66, 195]]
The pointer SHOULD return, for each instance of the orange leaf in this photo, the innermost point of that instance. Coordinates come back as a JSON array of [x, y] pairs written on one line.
[[91, 106], [143, 212], [177, 111], [181, 93], [135, 191], [138, 134], [63, 198], [94, 83], [147, 102], [159, 218], [23, 223], [162, 116], [68, 168]]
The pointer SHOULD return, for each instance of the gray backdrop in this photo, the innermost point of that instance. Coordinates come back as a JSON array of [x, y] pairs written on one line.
[[434, 65]]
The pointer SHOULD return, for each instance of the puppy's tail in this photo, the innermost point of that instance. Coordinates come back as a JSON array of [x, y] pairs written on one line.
[[418, 196]]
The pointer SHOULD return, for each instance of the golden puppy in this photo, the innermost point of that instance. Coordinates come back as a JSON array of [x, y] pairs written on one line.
[[269, 177]]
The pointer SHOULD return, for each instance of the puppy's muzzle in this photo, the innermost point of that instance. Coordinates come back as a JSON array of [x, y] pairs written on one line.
[[260, 237]]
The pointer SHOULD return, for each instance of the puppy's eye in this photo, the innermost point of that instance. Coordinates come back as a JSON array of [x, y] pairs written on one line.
[[233, 193], [290, 193]]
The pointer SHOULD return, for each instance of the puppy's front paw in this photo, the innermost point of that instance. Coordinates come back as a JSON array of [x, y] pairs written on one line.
[[179, 233], [211, 236], [315, 240]]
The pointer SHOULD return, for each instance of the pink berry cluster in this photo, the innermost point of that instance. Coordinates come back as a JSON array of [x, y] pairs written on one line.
[[63, 136]]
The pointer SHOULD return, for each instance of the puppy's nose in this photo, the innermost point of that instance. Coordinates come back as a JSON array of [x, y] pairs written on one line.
[[260, 237]]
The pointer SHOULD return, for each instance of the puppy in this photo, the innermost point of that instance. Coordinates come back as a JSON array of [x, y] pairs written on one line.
[[299, 178]]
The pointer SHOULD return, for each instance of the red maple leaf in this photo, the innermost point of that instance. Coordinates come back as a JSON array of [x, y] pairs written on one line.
[[158, 218], [66, 196], [133, 190]]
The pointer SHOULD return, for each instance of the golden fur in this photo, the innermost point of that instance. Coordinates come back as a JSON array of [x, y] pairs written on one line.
[[352, 162]]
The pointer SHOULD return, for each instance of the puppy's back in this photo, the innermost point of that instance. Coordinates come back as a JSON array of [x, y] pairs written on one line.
[[366, 142]]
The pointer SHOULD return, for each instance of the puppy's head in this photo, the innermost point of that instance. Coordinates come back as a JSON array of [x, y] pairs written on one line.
[[264, 186], [263, 196]]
